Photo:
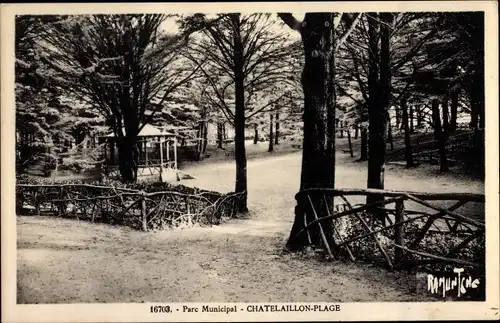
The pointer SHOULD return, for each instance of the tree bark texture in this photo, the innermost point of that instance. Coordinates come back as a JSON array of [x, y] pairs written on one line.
[[128, 155], [379, 87], [220, 135], [318, 156], [239, 116], [128, 151], [364, 144]]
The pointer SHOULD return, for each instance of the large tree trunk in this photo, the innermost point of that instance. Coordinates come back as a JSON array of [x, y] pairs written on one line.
[[439, 136], [220, 135], [128, 151], [239, 117], [255, 134], [205, 139], [356, 131], [364, 144], [318, 156], [408, 149], [277, 132], [128, 156], [477, 92], [271, 139], [379, 95]]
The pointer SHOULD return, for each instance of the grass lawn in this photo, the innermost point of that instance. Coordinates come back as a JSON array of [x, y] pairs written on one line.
[[62, 261]]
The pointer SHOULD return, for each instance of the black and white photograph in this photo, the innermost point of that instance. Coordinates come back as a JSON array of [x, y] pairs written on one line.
[[206, 164]]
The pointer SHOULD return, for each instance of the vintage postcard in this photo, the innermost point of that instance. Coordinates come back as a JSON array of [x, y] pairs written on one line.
[[323, 161]]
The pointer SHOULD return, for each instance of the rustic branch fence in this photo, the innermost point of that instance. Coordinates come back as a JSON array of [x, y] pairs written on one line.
[[138, 209], [418, 230]]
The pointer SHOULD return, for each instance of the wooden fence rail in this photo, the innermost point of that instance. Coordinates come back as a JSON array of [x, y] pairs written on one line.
[[421, 228], [138, 209]]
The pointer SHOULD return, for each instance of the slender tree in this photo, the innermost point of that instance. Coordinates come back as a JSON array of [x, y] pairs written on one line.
[[277, 126], [439, 135], [256, 133], [271, 133], [407, 139], [350, 142], [245, 61]]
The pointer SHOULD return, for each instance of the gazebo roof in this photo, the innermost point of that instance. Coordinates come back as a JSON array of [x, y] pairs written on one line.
[[148, 131]]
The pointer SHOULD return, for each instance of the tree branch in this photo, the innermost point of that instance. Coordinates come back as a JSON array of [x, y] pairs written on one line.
[[350, 28], [291, 21]]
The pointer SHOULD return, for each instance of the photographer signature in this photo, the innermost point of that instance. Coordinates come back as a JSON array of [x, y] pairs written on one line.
[[446, 284]]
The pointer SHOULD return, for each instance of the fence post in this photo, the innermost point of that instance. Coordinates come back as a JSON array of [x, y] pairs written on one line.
[[399, 230], [144, 213]]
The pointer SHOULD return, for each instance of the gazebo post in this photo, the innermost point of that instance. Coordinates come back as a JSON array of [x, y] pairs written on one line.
[[175, 152], [168, 152], [145, 145], [161, 156]]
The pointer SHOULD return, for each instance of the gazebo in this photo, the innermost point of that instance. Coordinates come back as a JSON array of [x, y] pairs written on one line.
[[149, 166]]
